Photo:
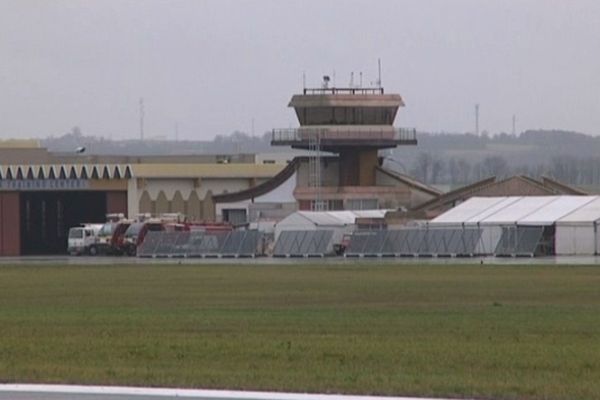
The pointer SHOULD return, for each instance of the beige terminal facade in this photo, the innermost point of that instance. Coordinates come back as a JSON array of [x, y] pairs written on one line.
[[43, 194]]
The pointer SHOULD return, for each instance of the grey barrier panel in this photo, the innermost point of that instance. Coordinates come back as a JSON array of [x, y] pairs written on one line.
[[181, 246], [357, 243], [314, 243], [200, 244], [151, 240], [302, 243], [402, 243], [250, 244], [284, 243], [390, 242], [519, 241], [455, 244], [529, 239], [296, 242], [415, 242], [232, 242], [280, 243], [469, 240], [508, 242], [375, 242], [166, 244], [305, 244]]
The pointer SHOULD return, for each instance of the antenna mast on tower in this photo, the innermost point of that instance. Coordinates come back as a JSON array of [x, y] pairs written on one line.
[[379, 73]]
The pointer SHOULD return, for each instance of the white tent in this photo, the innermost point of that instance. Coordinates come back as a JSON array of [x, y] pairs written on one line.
[[575, 218], [341, 222], [577, 232]]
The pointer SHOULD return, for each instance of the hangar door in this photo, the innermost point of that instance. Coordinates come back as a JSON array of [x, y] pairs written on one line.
[[47, 216]]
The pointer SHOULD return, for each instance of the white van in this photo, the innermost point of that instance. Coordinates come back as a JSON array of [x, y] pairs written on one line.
[[82, 237]]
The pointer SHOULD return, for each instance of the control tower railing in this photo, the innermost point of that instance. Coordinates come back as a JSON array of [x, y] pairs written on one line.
[[376, 90], [303, 135]]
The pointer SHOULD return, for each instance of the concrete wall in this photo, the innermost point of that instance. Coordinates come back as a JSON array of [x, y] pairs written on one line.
[[10, 224]]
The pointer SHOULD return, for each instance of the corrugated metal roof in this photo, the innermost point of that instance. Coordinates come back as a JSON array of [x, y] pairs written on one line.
[[206, 170]]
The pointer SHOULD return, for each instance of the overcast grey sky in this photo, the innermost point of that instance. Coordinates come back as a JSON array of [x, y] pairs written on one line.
[[214, 66]]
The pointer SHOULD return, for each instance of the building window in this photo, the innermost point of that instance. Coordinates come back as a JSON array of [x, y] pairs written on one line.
[[362, 204], [235, 216]]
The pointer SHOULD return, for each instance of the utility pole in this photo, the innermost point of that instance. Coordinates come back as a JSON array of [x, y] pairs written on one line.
[[141, 119], [476, 119], [514, 125]]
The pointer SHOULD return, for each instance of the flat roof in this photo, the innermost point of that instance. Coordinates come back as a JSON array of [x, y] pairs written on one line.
[[206, 170]]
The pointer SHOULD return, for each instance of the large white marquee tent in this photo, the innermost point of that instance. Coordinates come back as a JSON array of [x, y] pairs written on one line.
[[574, 218]]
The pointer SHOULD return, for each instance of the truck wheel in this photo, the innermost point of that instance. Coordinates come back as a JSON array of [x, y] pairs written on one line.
[[93, 251]]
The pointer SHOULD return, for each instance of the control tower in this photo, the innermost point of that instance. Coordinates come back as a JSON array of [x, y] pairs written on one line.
[[353, 124]]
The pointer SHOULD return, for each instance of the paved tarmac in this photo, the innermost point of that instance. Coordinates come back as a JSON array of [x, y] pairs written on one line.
[[74, 392], [105, 260]]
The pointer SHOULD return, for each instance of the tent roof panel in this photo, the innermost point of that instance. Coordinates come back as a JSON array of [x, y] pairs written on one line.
[[551, 212], [588, 213], [467, 210], [505, 202], [332, 218], [514, 212]]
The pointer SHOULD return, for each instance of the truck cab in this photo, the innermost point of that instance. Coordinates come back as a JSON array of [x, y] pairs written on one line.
[[81, 238], [135, 234]]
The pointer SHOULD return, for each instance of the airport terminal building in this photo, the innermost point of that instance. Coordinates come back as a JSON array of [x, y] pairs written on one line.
[[43, 194]]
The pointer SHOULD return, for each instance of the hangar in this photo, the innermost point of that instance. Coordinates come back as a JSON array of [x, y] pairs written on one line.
[[43, 194]]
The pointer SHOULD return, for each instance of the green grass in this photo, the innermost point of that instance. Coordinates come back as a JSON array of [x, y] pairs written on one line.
[[466, 331]]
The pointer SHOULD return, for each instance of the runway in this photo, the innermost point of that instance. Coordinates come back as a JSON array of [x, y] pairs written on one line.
[[111, 260], [74, 392]]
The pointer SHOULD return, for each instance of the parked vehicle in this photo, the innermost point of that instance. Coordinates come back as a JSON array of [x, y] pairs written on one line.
[[82, 238], [103, 240], [134, 236], [118, 237]]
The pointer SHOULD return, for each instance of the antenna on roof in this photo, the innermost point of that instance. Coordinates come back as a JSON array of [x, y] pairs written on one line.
[[303, 80], [352, 79], [334, 78], [360, 84], [379, 73]]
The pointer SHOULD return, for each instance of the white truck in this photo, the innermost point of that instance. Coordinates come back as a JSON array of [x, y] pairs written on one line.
[[81, 238]]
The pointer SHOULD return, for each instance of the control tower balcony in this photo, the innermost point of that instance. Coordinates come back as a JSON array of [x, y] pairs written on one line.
[[338, 137]]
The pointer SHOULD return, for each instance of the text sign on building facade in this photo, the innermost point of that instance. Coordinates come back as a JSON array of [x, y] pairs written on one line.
[[44, 184]]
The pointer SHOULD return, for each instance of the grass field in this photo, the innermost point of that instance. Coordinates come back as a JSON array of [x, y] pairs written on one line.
[[463, 331]]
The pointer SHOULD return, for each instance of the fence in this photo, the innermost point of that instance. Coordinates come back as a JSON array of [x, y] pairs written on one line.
[[304, 244], [414, 243], [246, 243], [514, 241]]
